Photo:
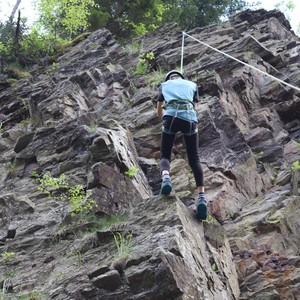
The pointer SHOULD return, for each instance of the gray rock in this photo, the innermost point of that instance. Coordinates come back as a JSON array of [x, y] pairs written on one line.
[[92, 120]]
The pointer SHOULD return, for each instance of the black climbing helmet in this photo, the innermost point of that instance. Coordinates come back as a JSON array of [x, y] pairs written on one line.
[[173, 72]]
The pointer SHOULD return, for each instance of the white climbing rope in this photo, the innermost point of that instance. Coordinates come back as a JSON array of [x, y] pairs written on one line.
[[221, 52], [182, 47]]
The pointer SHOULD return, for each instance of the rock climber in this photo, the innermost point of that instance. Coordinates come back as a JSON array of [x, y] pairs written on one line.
[[177, 98]]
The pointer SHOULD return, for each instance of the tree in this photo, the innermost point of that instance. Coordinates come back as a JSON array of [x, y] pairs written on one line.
[[198, 13], [287, 7], [64, 17], [14, 10], [11, 35], [127, 18]]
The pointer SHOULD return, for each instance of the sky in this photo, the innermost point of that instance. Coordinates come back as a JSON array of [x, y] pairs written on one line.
[[294, 16], [27, 10]]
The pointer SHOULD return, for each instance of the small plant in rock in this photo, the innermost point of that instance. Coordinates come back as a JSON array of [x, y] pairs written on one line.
[[275, 172], [260, 155], [10, 274], [59, 188], [93, 128], [53, 68], [25, 123], [296, 166], [155, 77], [80, 259], [7, 256], [215, 268], [24, 103], [134, 47], [243, 130], [123, 243], [33, 295], [210, 219], [144, 64], [102, 222], [131, 172], [11, 167]]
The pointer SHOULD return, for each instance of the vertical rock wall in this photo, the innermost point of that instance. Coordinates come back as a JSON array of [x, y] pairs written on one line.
[[91, 118]]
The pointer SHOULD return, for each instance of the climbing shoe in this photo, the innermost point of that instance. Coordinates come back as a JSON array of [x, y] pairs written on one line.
[[201, 206], [166, 185]]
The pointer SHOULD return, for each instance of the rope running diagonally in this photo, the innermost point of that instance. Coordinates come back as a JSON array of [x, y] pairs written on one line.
[[221, 52]]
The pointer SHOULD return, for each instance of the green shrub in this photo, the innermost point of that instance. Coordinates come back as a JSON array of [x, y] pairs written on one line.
[[155, 77], [144, 64], [131, 172], [133, 47], [33, 295], [123, 243], [59, 188], [296, 166], [7, 256]]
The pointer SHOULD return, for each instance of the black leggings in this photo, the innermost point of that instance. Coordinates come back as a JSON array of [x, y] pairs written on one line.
[[189, 129]]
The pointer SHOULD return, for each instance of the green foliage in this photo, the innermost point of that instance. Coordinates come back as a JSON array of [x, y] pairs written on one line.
[[210, 219], [296, 166], [80, 259], [94, 224], [59, 188], [7, 40], [215, 267], [128, 18], [104, 222], [155, 77], [275, 173], [25, 123], [260, 155], [144, 64], [136, 17], [18, 71], [31, 46], [7, 256], [107, 221], [133, 47], [198, 13], [64, 16], [3, 49], [10, 274], [33, 295], [131, 172], [123, 243], [93, 127], [11, 167], [286, 6], [53, 68], [98, 19], [37, 44]]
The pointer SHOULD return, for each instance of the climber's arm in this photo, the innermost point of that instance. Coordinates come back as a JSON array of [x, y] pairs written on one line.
[[159, 108]]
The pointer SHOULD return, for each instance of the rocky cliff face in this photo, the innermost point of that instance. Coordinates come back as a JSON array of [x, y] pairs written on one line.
[[90, 118]]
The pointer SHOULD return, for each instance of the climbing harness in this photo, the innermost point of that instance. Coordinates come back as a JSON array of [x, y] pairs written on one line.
[[179, 105], [231, 57]]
